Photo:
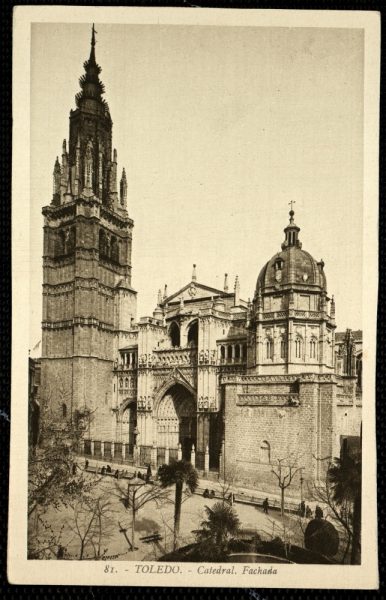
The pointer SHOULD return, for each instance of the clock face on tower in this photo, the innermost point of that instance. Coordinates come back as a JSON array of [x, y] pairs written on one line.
[[278, 276], [305, 276]]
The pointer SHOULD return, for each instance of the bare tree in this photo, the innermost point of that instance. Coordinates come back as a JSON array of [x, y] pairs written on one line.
[[92, 524], [44, 542], [285, 471], [137, 494]]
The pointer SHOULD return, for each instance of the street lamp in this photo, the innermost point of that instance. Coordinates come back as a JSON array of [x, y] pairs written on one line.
[[132, 488], [301, 485]]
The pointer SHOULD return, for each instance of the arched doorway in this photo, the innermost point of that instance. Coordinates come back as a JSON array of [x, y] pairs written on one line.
[[176, 420]]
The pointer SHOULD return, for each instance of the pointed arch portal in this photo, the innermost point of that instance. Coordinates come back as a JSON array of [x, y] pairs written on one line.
[[176, 420]]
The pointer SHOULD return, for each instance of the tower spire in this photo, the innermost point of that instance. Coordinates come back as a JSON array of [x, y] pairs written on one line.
[[91, 86]]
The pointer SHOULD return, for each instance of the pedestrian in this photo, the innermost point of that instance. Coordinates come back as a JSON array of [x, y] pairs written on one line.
[[318, 513], [266, 506], [302, 508], [308, 512], [206, 493], [86, 465], [108, 469], [116, 474], [212, 494], [148, 474], [103, 471]]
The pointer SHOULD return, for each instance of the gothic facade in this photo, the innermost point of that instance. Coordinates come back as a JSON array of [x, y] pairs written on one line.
[[231, 385]]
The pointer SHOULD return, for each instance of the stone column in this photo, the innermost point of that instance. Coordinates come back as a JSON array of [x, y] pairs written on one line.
[[123, 451], [92, 447], [167, 454], [154, 456], [136, 455], [222, 461], [193, 456], [206, 430], [81, 447], [179, 452], [206, 461], [112, 450], [289, 345], [102, 449]]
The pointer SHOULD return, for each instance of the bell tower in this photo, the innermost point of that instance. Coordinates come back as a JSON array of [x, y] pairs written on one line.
[[88, 301]]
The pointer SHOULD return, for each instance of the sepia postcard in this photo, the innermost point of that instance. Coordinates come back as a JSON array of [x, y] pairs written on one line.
[[195, 243]]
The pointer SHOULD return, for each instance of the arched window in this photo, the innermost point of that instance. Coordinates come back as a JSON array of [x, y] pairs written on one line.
[[174, 333], [193, 334], [229, 352], [298, 347], [222, 352], [313, 347], [268, 349], [64, 411], [62, 243], [283, 348], [121, 383], [103, 249], [265, 452], [237, 351], [114, 249], [126, 382]]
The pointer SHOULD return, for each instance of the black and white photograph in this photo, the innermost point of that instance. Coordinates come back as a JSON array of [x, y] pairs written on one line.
[[197, 319]]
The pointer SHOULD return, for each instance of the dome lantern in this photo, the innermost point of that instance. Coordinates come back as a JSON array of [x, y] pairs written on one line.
[[291, 231]]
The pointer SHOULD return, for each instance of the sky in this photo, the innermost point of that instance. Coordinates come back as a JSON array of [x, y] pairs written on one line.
[[218, 128]]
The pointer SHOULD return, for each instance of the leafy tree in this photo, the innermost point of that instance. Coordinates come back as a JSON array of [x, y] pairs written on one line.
[[345, 479], [178, 473], [322, 537], [221, 524]]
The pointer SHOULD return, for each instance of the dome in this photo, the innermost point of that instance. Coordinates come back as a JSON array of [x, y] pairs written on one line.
[[292, 267]]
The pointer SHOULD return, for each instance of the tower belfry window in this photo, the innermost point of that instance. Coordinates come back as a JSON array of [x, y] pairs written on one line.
[[313, 348], [298, 347], [268, 348]]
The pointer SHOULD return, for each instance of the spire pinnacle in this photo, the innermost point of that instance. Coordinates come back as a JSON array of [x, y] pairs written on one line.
[[237, 291], [93, 42], [194, 274], [93, 32], [226, 288]]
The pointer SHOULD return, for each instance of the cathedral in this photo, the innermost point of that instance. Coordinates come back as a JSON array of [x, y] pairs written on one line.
[[232, 386]]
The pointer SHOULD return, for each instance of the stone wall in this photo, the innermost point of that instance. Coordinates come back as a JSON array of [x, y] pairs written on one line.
[[267, 422]]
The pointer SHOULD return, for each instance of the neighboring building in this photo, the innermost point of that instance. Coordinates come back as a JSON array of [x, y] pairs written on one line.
[[230, 385]]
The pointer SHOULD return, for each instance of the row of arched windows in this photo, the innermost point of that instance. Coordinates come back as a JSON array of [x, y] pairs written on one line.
[[175, 334], [127, 382], [298, 348], [232, 352]]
